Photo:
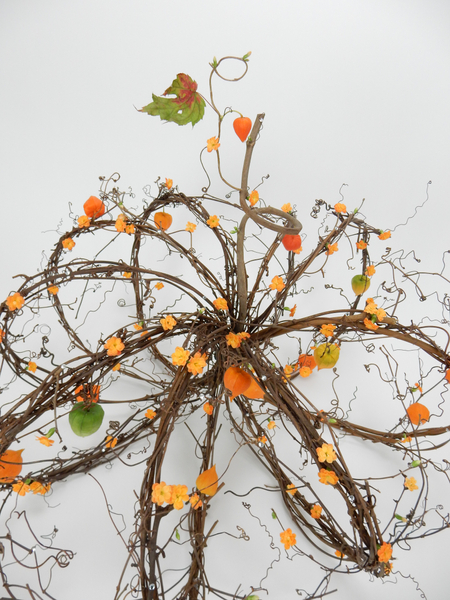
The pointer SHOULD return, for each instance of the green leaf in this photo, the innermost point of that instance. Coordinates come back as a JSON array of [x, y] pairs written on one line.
[[400, 518], [274, 515], [187, 107], [332, 421], [177, 534], [415, 463], [252, 597], [50, 432], [246, 56]]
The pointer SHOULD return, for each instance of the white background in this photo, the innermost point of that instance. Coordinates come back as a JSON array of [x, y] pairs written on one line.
[[354, 92]]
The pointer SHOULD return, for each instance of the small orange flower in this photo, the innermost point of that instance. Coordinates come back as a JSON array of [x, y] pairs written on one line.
[[288, 538], [288, 370], [68, 243], [180, 357], [305, 372], [328, 330], [161, 493], [384, 235], [327, 477], [120, 223], [114, 346], [361, 245], [195, 501], [32, 366], [45, 441], [129, 229], [262, 439], [326, 453], [286, 207], [370, 271], [411, 484], [212, 144], [213, 221], [339, 554], [159, 286], [220, 304], [406, 439], [15, 301], [277, 284], [233, 340], [127, 274], [179, 496], [292, 311], [191, 227], [86, 393], [39, 488], [169, 183], [116, 367], [150, 414], [253, 198], [340, 208], [316, 511], [110, 441], [332, 248], [168, 323], [271, 424], [84, 221], [291, 489], [418, 387], [384, 553], [197, 363], [53, 290], [370, 325], [21, 488], [208, 408]]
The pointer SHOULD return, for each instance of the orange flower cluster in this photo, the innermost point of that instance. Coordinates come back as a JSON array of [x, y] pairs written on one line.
[[84, 221], [159, 286], [212, 144], [370, 271], [277, 284], [23, 488], [361, 245], [384, 235], [411, 484], [191, 227], [235, 339], [32, 366], [53, 290], [15, 301], [197, 363], [287, 207], [169, 183], [253, 198], [208, 408], [121, 225], [384, 552], [328, 330], [340, 208], [68, 243], [288, 538], [373, 309], [45, 441], [213, 221], [180, 357], [326, 453], [170, 494], [291, 489], [220, 304], [332, 248], [85, 393], [168, 323], [114, 346], [328, 477], [110, 442], [150, 414], [316, 511]]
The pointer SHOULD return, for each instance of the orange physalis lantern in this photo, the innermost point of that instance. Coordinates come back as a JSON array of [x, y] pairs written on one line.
[[236, 380], [326, 356], [418, 413], [207, 482], [306, 360], [254, 391], [8, 470], [94, 207], [163, 220], [292, 242]]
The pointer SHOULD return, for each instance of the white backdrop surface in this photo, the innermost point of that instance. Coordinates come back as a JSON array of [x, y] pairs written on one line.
[[354, 92]]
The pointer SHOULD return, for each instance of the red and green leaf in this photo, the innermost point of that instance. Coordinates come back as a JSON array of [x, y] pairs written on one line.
[[188, 105]]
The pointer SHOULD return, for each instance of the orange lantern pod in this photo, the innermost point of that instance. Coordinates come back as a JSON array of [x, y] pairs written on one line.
[[207, 482], [292, 242], [8, 470], [94, 207], [418, 413], [236, 380], [163, 220], [306, 360], [254, 391], [326, 356]]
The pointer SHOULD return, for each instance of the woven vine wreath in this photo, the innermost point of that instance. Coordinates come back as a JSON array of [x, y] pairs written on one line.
[[199, 341]]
